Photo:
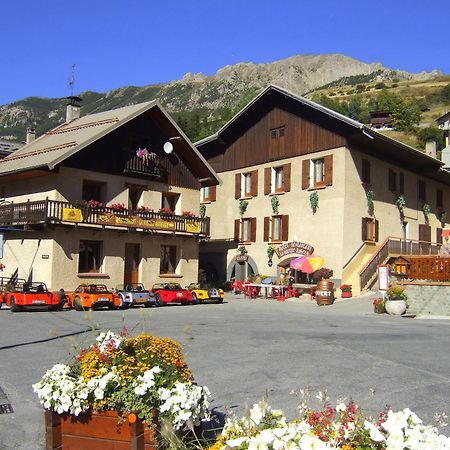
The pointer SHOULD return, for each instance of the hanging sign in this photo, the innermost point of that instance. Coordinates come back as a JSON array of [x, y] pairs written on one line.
[[241, 258], [383, 278], [72, 215]]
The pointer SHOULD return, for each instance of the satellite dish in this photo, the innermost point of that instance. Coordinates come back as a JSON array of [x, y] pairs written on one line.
[[168, 148]]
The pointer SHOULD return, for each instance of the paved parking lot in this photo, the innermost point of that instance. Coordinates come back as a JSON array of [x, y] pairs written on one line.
[[243, 349]]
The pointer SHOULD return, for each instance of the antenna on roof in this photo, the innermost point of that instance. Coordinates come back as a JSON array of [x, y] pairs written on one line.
[[72, 80]]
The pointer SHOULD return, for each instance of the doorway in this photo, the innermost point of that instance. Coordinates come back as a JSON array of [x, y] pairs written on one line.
[[132, 262]]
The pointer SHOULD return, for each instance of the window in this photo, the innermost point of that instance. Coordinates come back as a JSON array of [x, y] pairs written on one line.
[[168, 261], [93, 190], [246, 184], [277, 179], [245, 230], [317, 173], [89, 256], [276, 228], [369, 229], [208, 194], [365, 171], [439, 198], [170, 200], [396, 182], [422, 190], [277, 133]]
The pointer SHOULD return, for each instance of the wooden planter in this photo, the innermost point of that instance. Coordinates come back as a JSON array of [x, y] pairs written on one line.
[[96, 431], [325, 293]]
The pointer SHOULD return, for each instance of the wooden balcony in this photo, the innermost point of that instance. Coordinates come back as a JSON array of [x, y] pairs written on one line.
[[20, 215]]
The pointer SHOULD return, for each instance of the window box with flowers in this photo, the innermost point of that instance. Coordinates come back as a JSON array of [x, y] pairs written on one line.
[[119, 390], [167, 212], [346, 290]]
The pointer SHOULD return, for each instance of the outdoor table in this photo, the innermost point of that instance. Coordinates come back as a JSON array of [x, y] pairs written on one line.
[[258, 286]]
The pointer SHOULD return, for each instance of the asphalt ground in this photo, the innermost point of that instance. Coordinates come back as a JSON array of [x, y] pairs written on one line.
[[244, 350]]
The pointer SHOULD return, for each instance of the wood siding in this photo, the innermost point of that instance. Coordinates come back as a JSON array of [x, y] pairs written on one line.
[[255, 145]]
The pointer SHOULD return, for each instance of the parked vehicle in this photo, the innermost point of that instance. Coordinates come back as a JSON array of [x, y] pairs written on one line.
[[171, 293], [26, 295], [93, 296], [135, 294], [203, 293]]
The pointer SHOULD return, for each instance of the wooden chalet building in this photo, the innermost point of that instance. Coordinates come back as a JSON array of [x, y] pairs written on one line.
[[110, 198], [299, 178]]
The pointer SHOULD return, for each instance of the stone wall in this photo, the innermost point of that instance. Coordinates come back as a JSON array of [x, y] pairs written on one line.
[[430, 299]]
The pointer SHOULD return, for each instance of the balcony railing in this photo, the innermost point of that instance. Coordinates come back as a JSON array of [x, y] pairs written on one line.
[[51, 211], [395, 246]]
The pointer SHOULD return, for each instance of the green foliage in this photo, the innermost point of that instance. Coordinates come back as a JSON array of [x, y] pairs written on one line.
[[425, 135], [396, 292], [314, 201], [243, 206], [354, 79], [270, 251], [275, 202]]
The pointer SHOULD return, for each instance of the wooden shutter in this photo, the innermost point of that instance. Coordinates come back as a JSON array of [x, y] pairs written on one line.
[[284, 228], [424, 233], [401, 183], [253, 229], [212, 193], [376, 231], [392, 182], [364, 236], [287, 177], [365, 171], [267, 174], [237, 230], [439, 198], [266, 228], [422, 188], [254, 183], [237, 186], [328, 162], [305, 174], [439, 235]]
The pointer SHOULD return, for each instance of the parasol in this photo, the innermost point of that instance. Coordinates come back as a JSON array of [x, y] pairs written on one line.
[[307, 263]]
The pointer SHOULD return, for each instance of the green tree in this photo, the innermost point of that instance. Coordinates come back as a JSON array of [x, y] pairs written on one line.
[[406, 115], [425, 135]]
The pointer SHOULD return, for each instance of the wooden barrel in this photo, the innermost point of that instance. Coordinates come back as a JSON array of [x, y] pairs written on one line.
[[325, 292]]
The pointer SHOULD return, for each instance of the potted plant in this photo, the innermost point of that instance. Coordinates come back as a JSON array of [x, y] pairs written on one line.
[[396, 300], [322, 274], [123, 386], [379, 305], [346, 290], [166, 212]]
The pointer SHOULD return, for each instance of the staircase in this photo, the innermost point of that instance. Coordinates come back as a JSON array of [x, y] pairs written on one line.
[[361, 271]]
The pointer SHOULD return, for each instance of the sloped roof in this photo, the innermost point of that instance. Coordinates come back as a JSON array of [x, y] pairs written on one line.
[[58, 144], [361, 131]]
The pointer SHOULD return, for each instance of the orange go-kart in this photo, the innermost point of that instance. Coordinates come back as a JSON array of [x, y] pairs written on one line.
[[93, 296], [26, 295]]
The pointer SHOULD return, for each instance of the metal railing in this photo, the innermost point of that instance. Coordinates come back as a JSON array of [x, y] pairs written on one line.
[[51, 211], [395, 246]]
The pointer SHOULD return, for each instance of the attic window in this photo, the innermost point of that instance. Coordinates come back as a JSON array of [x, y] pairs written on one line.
[[276, 133]]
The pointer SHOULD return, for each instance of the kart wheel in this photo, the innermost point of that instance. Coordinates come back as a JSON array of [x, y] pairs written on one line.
[[158, 300], [77, 304], [194, 298], [123, 303], [13, 307]]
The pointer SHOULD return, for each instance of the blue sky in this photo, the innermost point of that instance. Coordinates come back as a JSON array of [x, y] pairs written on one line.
[[138, 42]]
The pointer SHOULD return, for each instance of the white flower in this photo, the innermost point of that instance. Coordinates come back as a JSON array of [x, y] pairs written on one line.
[[375, 433], [341, 407]]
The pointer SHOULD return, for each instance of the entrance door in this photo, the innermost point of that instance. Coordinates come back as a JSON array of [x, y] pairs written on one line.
[[132, 261]]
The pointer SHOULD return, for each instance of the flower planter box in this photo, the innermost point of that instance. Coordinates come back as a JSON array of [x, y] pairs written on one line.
[[96, 431], [346, 294]]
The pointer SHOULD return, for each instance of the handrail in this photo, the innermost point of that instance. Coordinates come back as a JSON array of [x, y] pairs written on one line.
[[354, 255]]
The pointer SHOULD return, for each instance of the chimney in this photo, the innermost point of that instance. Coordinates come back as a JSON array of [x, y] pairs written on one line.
[[430, 149], [73, 110], [31, 135]]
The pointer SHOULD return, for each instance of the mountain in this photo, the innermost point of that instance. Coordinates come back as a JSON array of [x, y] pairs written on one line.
[[204, 94]]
